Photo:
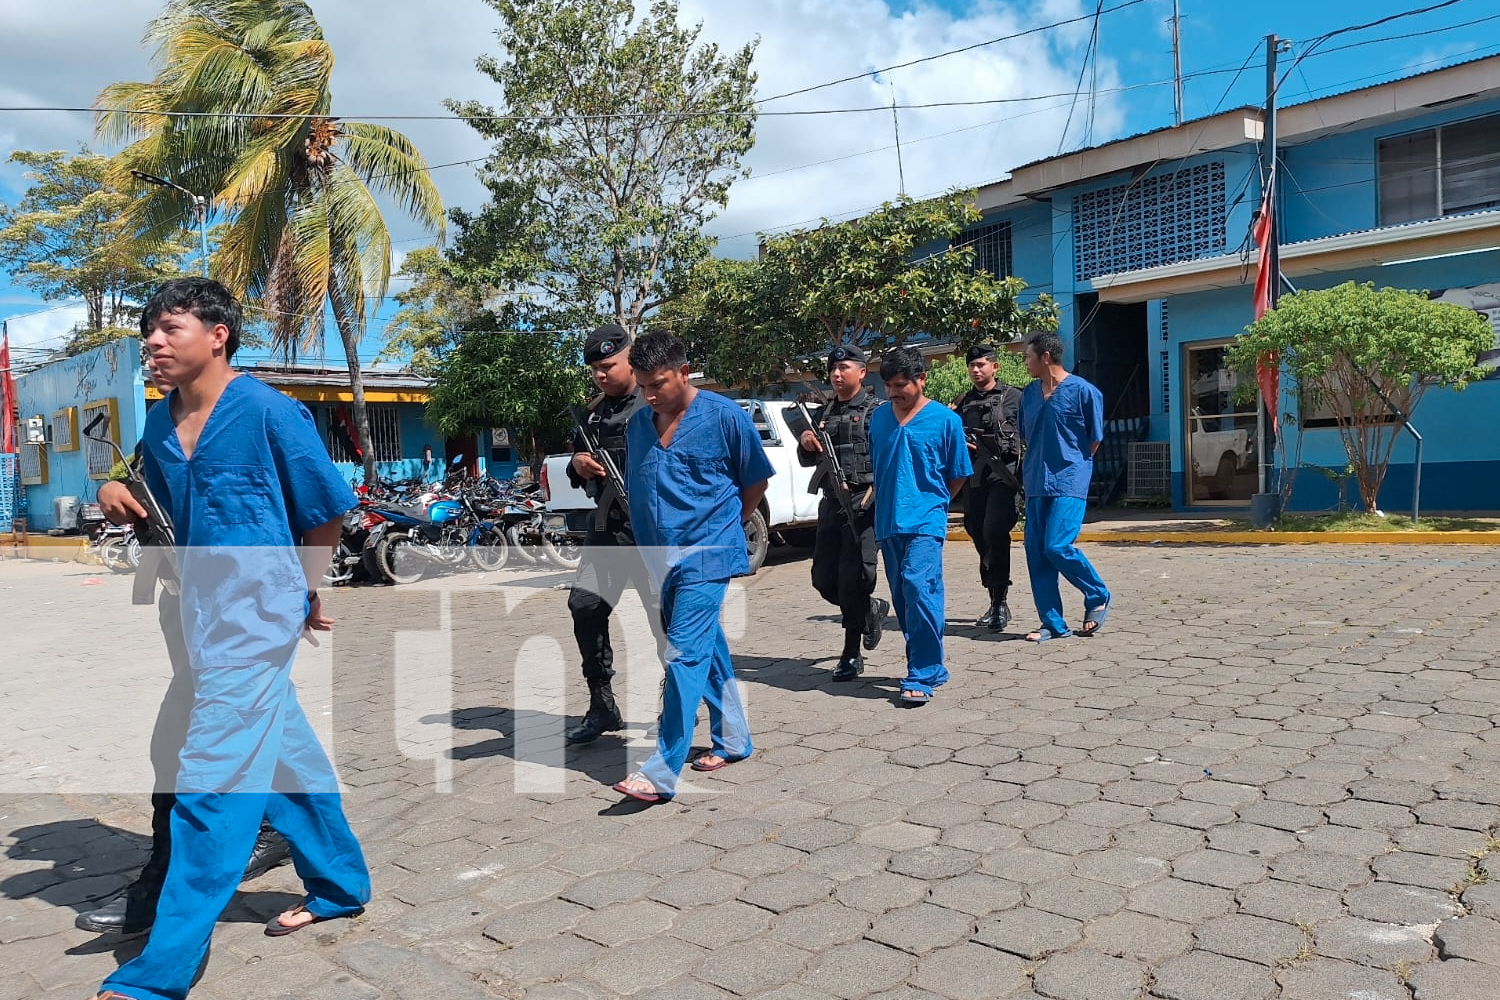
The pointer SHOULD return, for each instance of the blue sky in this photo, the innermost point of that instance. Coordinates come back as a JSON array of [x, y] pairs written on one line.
[[392, 59]]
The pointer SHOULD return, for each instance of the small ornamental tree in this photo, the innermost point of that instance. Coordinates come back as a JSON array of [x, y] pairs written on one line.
[[1353, 347]]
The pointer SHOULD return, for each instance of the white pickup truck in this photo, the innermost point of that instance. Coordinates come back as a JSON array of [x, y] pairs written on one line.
[[787, 504]]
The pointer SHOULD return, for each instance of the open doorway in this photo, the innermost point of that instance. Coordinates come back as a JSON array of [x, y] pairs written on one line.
[[1109, 349], [1219, 442]]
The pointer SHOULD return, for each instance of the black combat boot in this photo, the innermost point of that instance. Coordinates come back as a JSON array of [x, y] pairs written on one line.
[[999, 616], [271, 851], [129, 914], [602, 717], [875, 623], [850, 667], [985, 620]]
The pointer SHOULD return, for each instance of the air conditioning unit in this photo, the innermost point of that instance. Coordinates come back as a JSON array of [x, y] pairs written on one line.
[[36, 430], [65, 513]]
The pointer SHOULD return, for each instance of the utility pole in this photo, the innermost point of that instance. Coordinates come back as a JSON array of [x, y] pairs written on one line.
[[1272, 257], [896, 123], [1177, 58]]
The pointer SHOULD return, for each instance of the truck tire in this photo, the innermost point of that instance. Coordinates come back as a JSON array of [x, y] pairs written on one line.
[[1223, 481], [757, 540]]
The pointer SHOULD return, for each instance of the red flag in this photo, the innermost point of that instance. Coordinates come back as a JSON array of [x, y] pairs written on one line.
[[7, 398], [1268, 366]]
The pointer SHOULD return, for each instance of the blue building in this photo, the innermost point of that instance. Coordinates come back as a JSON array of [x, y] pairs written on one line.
[[60, 468], [1144, 243]]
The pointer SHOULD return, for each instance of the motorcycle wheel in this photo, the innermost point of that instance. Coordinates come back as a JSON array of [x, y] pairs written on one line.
[[340, 571], [491, 551], [398, 563], [562, 548], [133, 553], [112, 554]]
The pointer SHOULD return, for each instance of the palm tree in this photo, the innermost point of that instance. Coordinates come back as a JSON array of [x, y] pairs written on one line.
[[240, 107]]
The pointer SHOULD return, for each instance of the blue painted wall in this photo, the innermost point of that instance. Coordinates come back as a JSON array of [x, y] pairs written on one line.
[[112, 371]]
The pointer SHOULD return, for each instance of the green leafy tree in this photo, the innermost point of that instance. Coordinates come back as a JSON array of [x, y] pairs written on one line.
[[950, 380], [1354, 347], [618, 139], [298, 186], [875, 280], [435, 311], [524, 379], [68, 237]]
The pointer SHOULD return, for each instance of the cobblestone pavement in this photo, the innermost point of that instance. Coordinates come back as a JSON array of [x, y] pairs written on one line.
[[1272, 775]]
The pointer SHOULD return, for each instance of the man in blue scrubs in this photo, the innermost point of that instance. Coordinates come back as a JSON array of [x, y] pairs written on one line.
[[921, 461], [697, 472], [1062, 423], [256, 504]]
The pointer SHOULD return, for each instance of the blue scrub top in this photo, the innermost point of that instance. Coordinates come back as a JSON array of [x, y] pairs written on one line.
[[685, 498], [1060, 433], [913, 466], [259, 479]]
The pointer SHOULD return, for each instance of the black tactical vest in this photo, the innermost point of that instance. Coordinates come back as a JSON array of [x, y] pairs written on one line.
[[983, 413], [608, 417], [848, 425]]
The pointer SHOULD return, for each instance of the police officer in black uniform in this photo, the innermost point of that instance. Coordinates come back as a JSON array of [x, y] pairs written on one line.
[[991, 412], [606, 569], [843, 565]]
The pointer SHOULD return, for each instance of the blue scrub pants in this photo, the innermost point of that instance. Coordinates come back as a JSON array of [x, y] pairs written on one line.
[[698, 670], [914, 570], [1052, 526], [246, 737]]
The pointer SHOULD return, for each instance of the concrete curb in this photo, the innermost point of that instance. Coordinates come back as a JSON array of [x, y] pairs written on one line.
[[1273, 537]]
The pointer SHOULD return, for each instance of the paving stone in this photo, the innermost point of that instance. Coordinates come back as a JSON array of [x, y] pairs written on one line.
[[1388, 902], [881, 891], [779, 893], [698, 888], [1108, 815], [417, 973], [1194, 815], [1326, 871], [970, 972], [1401, 793], [1220, 868], [616, 925], [1421, 869], [1120, 867], [981, 837], [645, 965], [1086, 975], [1174, 899], [1026, 865], [1202, 976], [1483, 900], [815, 834], [736, 833], [1371, 815], [1367, 942], [1290, 902], [1440, 840], [899, 836], [1079, 898], [1067, 837], [599, 891], [820, 926], [1159, 840], [976, 894], [935, 862], [1321, 979], [1361, 845], [1140, 793], [1474, 938], [921, 928], [1455, 980], [1247, 838], [1282, 816], [858, 969], [689, 988], [722, 924], [753, 966], [1254, 939], [1029, 933], [757, 860], [1138, 935], [538, 921], [1461, 815]]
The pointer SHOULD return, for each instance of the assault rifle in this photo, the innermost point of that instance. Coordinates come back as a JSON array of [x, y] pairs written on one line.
[[830, 473], [613, 478], [155, 530], [989, 455]]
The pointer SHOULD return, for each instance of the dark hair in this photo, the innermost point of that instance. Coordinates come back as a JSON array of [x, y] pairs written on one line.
[[903, 362], [654, 351], [205, 298], [1046, 342]]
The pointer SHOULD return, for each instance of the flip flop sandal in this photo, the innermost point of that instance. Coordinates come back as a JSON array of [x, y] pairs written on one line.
[[698, 764], [275, 928], [1045, 634], [623, 787], [915, 698], [1096, 617]]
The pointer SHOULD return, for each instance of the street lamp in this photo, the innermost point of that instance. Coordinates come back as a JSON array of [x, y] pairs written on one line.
[[200, 209]]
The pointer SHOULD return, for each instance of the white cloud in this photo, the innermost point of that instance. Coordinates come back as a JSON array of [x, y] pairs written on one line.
[[44, 330], [401, 58]]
